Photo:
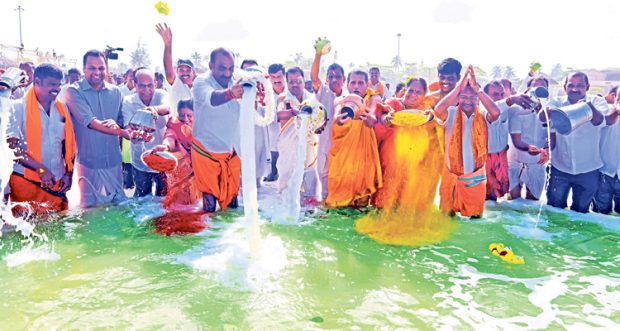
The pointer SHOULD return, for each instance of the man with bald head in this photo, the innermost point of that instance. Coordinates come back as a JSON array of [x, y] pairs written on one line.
[[147, 97], [216, 131]]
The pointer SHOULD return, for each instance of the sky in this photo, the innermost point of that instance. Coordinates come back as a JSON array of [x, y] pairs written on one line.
[[486, 33]]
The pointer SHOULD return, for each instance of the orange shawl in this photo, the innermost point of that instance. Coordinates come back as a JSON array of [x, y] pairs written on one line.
[[33, 134], [354, 167], [479, 142]]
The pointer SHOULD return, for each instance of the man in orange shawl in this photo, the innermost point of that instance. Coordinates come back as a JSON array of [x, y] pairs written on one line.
[[463, 185], [41, 133], [354, 167]]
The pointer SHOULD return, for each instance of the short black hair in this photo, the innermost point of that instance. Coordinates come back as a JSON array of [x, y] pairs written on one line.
[[493, 83], [374, 68], [506, 81], [74, 71], [399, 87], [275, 67], [358, 72], [450, 66], [220, 51], [577, 73], [535, 79], [159, 75], [421, 80], [336, 67], [251, 62], [613, 90], [189, 103], [46, 70], [294, 70], [94, 53]]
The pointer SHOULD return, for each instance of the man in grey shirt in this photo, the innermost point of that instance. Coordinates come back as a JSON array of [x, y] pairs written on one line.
[[95, 108]]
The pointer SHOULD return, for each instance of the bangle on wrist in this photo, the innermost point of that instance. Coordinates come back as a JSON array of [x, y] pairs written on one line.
[[118, 131], [509, 102]]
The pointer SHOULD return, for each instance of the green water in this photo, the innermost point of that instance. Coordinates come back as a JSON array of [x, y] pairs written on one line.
[[113, 272]]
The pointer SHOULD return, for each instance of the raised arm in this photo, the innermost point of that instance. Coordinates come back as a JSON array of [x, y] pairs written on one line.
[[314, 71], [166, 35]]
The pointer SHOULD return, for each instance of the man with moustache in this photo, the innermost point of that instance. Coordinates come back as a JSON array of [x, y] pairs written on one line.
[[354, 166], [463, 182], [179, 82], [326, 93], [576, 158], [287, 110], [155, 101], [40, 131], [95, 107], [276, 73], [216, 165], [497, 159]]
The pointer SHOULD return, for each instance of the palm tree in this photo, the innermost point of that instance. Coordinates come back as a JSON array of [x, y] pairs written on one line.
[[509, 73], [298, 58], [496, 73], [140, 56], [197, 58]]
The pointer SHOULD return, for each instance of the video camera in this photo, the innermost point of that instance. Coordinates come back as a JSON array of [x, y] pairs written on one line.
[[110, 52]]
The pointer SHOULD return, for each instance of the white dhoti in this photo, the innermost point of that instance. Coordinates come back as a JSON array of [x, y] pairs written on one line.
[[100, 186], [532, 175], [287, 145]]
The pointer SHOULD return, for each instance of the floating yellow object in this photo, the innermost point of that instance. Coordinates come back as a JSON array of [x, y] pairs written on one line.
[[162, 8], [409, 118], [505, 254]]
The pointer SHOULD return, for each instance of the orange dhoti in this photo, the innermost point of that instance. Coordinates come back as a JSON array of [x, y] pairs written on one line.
[[218, 174], [354, 168], [464, 194], [42, 201]]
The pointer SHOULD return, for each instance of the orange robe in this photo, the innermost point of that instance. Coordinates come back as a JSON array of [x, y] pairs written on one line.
[[218, 174], [354, 167], [460, 192]]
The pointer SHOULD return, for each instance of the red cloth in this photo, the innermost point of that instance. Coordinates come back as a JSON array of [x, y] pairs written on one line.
[[41, 201], [497, 174]]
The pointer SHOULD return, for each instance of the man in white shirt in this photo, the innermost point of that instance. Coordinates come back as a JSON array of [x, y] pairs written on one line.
[[497, 159], [576, 158], [156, 101], [276, 73], [376, 84], [608, 193], [129, 87], [529, 155], [178, 83], [326, 93], [216, 165]]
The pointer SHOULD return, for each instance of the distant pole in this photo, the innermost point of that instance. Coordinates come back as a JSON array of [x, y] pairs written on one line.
[[398, 35], [20, 9]]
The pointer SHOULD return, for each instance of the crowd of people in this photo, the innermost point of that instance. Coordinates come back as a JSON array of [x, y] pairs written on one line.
[[488, 142]]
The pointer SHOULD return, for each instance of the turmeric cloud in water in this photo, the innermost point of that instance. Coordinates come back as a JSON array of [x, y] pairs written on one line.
[[412, 160]]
